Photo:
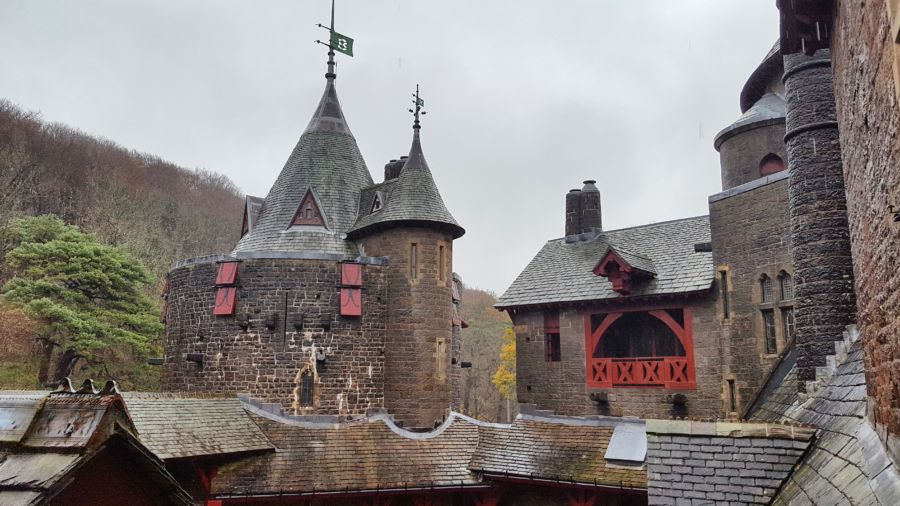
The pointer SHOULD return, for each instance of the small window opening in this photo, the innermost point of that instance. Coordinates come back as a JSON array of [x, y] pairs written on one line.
[[732, 397], [787, 286], [413, 261], [787, 319], [770, 164], [769, 327], [441, 275], [554, 353], [306, 390], [726, 303], [765, 283]]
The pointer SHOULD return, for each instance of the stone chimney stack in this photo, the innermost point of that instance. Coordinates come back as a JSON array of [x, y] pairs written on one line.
[[583, 209], [393, 167], [590, 207], [573, 212]]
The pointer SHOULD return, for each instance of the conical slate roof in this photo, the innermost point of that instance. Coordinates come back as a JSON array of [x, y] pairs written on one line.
[[770, 107], [327, 162], [412, 199]]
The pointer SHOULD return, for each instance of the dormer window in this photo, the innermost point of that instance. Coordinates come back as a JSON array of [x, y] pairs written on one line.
[[622, 269], [377, 202], [308, 212]]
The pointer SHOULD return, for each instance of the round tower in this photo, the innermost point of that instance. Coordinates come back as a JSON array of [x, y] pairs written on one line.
[[753, 146], [412, 226], [294, 316]]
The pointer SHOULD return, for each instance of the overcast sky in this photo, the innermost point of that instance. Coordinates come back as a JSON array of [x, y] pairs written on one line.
[[526, 99]]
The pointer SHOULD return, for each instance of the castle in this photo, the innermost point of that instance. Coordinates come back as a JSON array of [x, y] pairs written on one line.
[[745, 357]]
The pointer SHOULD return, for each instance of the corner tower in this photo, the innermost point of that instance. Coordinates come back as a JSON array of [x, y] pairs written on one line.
[[405, 219]]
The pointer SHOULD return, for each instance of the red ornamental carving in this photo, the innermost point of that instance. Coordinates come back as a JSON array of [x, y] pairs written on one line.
[[308, 213], [635, 372]]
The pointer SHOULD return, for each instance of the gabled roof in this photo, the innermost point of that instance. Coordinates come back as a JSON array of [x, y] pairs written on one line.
[[632, 261], [326, 160], [412, 199], [562, 270], [252, 206]]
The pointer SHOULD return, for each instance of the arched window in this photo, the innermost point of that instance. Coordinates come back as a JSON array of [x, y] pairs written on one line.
[[787, 286], [765, 284], [770, 164], [638, 334], [304, 391]]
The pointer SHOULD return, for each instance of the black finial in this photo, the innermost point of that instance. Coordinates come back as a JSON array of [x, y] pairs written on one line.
[[419, 104], [330, 74]]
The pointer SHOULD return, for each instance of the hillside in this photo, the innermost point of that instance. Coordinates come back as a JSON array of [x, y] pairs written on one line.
[[156, 210], [481, 344]]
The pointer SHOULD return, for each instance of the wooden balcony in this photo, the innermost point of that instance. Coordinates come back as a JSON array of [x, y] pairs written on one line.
[[641, 372]]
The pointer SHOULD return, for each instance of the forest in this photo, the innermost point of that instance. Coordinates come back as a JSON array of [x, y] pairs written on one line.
[[156, 213]]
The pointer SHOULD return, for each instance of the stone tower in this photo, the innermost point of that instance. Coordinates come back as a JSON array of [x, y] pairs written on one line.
[[406, 220], [334, 282]]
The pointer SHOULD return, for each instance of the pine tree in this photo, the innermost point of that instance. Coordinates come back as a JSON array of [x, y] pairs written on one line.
[[87, 298]]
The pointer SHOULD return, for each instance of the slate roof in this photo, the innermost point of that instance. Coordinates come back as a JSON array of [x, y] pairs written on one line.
[[176, 425], [770, 68], [562, 270], [412, 199], [327, 160], [569, 450], [364, 455], [769, 108], [693, 462], [847, 464], [637, 261]]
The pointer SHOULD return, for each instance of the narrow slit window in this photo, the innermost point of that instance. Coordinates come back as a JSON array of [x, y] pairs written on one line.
[[732, 397], [441, 275], [769, 328], [413, 261], [726, 303], [307, 384]]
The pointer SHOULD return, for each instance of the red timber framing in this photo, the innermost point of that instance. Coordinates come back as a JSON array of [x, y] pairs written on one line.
[[226, 291], [351, 289], [673, 372]]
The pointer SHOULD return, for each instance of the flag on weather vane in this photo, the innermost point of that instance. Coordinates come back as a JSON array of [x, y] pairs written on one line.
[[341, 43]]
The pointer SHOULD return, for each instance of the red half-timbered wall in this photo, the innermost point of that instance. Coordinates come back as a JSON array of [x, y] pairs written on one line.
[[675, 372]]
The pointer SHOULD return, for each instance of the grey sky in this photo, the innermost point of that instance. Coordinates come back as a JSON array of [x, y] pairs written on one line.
[[525, 99]]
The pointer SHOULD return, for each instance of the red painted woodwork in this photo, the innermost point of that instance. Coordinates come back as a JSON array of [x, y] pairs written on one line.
[[582, 499], [225, 297], [636, 372], [551, 322], [308, 212], [489, 498], [351, 289], [351, 302], [351, 274], [227, 273], [213, 502], [616, 270]]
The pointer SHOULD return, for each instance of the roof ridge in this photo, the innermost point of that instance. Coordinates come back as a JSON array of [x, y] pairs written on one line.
[[601, 234]]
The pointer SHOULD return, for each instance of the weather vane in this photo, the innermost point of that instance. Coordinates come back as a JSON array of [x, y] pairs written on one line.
[[419, 106], [336, 42]]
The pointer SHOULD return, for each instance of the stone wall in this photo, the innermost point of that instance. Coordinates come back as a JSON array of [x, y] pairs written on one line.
[[819, 234], [419, 336], [562, 386], [740, 153], [265, 363], [867, 112], [750, 229]]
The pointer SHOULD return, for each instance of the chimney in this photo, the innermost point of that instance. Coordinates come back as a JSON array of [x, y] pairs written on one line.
[[393, 167], [573, 212], [590, 208]]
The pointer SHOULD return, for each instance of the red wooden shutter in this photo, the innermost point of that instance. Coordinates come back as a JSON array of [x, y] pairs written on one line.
[[227, 274], [226, 292], [351, 289]]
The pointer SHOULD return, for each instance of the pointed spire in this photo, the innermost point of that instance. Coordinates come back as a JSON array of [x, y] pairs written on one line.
[[416, 159]]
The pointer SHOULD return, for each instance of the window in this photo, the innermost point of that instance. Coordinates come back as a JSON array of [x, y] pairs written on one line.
[[413, 261], [732, 397], [551, 341], [307, 384], [770, 164], [441, 275], [765, 283], [723, 287], [787, 319], [787, 286], [308, 212], [377, 202], [551, 336], [769, 328]]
